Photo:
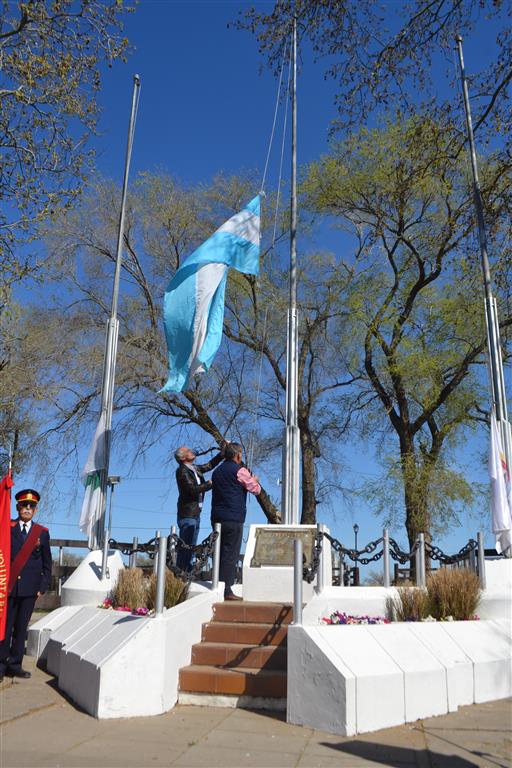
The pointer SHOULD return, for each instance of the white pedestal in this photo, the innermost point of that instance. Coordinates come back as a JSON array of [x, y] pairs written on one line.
[[85, 585], [274, 583]]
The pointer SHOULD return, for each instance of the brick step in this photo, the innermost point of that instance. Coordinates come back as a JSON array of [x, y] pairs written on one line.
[[247, 682], [244, 634], [235, 656], [253, 613]]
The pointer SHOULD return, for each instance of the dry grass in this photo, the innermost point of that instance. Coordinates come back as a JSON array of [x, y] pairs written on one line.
[[411, 604], [175, 590], [453, 592], [130, 590]]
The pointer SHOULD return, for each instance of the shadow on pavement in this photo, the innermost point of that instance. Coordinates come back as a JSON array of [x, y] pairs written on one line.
[[388, 755]]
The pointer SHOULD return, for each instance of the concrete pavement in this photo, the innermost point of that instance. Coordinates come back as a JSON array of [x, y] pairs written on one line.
[[39, 727]]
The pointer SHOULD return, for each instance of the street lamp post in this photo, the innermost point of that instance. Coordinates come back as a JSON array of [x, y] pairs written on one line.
[[356, 567]]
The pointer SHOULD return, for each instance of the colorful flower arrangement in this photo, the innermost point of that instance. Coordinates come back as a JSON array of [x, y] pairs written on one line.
[[345, 618], [107, 603]]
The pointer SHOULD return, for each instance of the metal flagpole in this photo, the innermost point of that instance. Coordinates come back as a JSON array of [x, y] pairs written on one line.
[[498, 394], [291, 443], [109, 364]]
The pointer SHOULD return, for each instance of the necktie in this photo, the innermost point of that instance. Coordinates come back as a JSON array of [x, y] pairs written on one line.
[[24, 530]]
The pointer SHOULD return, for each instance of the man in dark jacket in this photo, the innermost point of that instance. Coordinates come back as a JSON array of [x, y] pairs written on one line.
[[31, 567], [231, 482], [191, 488]]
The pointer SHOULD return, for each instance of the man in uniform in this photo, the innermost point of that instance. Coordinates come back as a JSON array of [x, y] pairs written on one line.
[[31, 566]]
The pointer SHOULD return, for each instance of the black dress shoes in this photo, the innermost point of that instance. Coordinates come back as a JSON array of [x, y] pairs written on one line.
[[19, 673], [232, 596]]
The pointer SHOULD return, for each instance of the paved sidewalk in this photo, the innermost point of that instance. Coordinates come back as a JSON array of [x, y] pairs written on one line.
[[41, 728]]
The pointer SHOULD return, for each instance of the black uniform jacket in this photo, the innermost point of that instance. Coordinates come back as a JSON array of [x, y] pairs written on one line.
[[35, 574], [191, 493]]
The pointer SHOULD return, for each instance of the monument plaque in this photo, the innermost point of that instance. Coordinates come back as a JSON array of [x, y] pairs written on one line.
[[275, 546]]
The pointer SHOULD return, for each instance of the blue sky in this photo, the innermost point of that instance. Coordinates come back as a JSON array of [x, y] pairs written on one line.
[[206, 107]]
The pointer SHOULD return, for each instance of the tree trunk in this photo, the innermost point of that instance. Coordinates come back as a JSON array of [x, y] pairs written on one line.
[[270, 510], [308, 516]]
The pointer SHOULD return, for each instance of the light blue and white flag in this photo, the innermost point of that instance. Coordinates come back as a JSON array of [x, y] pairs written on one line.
[[194, 300]]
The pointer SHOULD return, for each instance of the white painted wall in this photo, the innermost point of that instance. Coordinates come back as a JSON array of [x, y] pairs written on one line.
[[40, 631], [113, 664], [355, 679], [275, 583]]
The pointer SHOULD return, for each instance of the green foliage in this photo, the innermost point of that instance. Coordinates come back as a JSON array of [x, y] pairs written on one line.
[[52, 52], [415, 302]]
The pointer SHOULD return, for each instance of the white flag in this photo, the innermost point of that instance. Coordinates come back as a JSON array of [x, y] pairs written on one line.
[[501, 500], [91, 479]]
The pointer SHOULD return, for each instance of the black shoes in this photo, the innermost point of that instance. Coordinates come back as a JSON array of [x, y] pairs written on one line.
[[19, 673], [232, 596]]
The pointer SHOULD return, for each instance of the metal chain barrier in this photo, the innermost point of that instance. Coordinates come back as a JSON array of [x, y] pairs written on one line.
[[201, 551], [356, 554], [398, 554], [310, 571], [463, 554]]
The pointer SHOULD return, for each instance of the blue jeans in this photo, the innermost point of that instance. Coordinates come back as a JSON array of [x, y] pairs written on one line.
[[189, 530]]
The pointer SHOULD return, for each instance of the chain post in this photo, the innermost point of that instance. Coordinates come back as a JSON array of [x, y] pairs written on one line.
[[421, 549], [155, 561], [132, 563], [320, 572], [385, 557], [297, 582], [417, 558], [160, 576], [61, 563], [216, 557], [481, 559]]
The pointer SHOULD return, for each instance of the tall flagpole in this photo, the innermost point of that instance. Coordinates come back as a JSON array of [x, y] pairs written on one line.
[[291, 443], [497, 378], [109, 362]]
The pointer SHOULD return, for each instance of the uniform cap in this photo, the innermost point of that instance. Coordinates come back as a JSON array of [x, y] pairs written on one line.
[[28, 495]]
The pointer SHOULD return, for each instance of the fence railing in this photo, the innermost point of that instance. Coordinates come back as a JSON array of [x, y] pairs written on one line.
[[421, 553]]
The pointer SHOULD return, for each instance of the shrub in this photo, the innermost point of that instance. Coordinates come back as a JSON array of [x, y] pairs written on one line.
[[410, 604], [175, 590], [453, 592], [130, 590]]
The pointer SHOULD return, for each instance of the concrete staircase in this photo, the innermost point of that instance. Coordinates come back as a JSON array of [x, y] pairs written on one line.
[[241, 659]]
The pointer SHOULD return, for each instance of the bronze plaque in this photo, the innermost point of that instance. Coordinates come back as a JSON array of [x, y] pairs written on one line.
[[275, 546]]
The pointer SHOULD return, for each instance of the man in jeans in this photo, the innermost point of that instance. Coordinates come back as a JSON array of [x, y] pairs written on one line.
[[191, 490], [231, 482]]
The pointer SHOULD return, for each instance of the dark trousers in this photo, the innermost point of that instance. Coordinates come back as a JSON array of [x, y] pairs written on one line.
[[12, 648], [189, 529], [230, 543]]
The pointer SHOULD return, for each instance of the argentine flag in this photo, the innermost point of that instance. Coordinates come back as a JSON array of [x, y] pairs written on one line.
[[194, 300]]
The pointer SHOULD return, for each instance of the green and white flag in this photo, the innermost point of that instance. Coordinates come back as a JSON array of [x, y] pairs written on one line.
[[91, 478]]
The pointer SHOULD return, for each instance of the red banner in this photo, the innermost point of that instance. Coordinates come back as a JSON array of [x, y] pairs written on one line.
[[5, 547]]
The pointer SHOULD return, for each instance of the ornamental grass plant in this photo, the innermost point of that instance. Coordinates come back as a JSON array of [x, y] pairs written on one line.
[[453, 593], [410, 604], [130, 590], [450, 594], [175, 592]]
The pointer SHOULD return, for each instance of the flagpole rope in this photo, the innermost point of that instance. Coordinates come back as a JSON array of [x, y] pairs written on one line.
[[250, 452], [262, 191], [285, 122]]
